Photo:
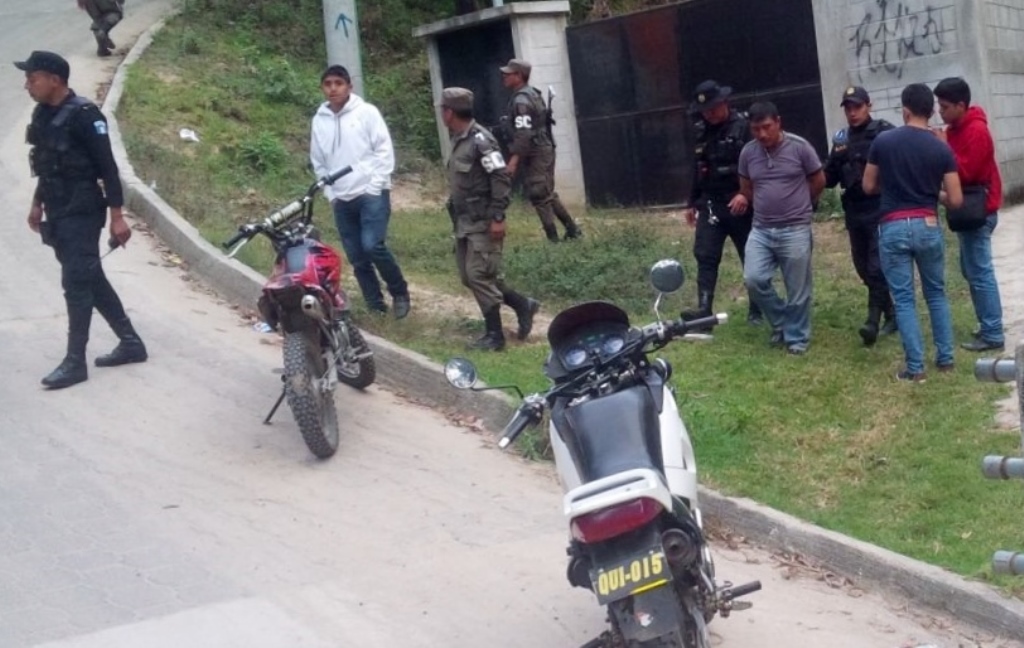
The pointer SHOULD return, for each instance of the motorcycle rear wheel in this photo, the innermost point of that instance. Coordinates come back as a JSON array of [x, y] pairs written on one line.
[[361, 373], [311, 401]]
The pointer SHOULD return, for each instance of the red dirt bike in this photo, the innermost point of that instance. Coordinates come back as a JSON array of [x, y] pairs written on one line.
[[303, 298]]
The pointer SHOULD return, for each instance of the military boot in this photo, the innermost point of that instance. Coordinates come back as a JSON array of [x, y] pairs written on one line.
[[525, 308], [705, 301], [129, 349], [869, 331], [889, 326], [494, 338], [551, 232], [71, 371], [103, 43]]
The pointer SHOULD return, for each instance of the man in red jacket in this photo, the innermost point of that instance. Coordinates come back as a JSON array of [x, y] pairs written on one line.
[[968, 135]]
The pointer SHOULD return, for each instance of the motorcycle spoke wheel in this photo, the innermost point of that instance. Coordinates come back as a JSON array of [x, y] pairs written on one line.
[[361, 373], [308, 394]]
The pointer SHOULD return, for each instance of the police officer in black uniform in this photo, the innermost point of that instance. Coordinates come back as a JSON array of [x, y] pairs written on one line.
[[716, 206], [70, 157], [845, 167]]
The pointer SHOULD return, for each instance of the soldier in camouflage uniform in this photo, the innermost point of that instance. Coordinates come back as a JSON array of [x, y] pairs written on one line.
[[480, 184], [716, 207], [531, 146], [105, 15]]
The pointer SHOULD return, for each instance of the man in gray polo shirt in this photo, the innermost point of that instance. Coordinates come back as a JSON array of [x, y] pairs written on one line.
[[780, 173]]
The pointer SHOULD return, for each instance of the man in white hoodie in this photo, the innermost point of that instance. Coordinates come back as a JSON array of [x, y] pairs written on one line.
[[348, 131]]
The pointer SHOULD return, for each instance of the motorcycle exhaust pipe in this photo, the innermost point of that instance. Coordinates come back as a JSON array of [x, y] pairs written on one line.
[[679, 547], [311, 306]]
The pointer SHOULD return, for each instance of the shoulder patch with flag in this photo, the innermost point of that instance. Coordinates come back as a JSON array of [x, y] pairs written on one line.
[[100, 127]]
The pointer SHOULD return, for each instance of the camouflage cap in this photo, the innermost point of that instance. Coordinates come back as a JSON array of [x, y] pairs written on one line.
[[517, 66], [457, 99]]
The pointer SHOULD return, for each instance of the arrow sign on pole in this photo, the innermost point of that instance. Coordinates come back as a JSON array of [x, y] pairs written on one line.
[[341, 31]]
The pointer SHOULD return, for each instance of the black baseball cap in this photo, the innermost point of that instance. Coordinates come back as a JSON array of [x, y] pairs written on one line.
[[708, 95], [856, 94], [43, 61]]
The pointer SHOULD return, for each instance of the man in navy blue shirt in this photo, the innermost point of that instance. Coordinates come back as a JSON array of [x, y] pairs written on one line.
[[910, 167]]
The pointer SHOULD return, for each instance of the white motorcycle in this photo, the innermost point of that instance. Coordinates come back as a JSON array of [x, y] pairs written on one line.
[[626, 463]]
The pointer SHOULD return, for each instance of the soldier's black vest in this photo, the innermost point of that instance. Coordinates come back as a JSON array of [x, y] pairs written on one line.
[[851, 147], [55, 158], [717, 156], [541, 115]]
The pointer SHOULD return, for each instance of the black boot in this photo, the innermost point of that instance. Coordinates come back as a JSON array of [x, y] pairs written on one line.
[[494, 338], [526, 308], [869, 331], [552, 233], [129, 349], [71, 371], [889, 326], [705, 301], [754, 315]]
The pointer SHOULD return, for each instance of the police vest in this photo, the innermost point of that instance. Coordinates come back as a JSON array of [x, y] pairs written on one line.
[[717, 155], [850, 147], [539, 113], [54, 156]]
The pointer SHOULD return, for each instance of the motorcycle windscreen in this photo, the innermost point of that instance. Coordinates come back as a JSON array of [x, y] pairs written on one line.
[[612, 434]]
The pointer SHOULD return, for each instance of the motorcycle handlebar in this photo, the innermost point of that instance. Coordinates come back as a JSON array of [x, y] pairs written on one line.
[[743, 590], [682, 327], [522, 419], [334, 177], [239, 235]]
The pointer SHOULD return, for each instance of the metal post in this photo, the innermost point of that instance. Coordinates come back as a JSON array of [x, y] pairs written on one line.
[[341, 29], [995, 467]]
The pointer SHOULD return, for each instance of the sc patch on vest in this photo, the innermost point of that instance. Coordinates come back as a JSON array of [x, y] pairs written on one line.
[[524, 121], [492, 162], [100, 127]]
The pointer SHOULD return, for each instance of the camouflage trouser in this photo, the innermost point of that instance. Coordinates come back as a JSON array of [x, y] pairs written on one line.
[[539, 185], [478, 258], [105, 15]]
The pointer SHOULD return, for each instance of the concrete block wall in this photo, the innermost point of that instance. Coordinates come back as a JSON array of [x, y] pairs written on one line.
[[1002, 35], [884, 45]]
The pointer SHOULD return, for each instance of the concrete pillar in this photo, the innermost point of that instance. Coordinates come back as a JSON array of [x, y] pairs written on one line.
[[341, 28], [538, 35]]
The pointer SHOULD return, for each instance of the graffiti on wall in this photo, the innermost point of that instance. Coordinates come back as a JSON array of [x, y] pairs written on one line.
[[892, 32]]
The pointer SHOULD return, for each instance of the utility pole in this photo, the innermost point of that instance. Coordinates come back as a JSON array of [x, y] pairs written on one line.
[[341, 29]]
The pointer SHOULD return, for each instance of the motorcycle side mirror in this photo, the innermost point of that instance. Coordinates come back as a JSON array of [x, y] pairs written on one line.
[[460, 373], [667, 276]]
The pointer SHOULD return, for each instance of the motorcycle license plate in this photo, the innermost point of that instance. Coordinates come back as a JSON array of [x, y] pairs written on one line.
[[632, 576]]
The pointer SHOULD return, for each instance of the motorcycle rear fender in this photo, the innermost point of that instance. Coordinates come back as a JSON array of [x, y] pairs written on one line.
[[283, 305], [648, 615], [677, 453], [616, 489]]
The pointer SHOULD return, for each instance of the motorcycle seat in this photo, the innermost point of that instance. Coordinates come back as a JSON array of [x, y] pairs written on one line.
[[613, 433]]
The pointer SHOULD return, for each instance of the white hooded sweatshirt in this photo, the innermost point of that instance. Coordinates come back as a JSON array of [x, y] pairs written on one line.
[[358, 137]]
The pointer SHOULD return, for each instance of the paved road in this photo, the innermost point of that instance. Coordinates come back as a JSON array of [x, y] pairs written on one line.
[[149, 507]]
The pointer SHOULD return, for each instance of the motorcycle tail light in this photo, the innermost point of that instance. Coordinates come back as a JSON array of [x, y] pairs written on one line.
[[615, 520]]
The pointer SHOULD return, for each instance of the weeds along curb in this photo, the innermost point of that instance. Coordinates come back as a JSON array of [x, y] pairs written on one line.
[[422, 380]]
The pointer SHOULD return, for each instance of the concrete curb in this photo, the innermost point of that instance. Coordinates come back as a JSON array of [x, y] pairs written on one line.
[[422, 379]]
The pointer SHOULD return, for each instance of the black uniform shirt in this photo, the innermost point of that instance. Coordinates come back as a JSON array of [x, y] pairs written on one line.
[[89, 135]]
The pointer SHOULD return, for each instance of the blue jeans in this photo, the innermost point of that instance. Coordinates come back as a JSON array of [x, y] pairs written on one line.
[[901, 244], [788, 249], [976, 266], [363, 225]]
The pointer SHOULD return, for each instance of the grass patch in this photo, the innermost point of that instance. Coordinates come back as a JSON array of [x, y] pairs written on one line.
[[828, 437]]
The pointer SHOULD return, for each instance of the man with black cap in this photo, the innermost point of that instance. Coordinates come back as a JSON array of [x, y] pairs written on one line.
[[532, 147], [71, 156], [480, 184], [716, 206], [845, 167]]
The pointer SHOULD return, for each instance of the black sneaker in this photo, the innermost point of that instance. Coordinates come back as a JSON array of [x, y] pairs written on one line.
[[401, 306], [906, 376], [979, 345], [777, 340]]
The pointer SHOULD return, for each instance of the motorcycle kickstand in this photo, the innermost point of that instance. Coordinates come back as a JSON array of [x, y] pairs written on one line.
[[280, 398]]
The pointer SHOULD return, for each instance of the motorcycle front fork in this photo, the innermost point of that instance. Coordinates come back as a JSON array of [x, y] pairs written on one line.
[[337, 335]]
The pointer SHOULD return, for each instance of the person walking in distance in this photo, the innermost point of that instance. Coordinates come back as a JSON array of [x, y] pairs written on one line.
[[105, 15], [70, 156], [967, 133], [348, 131], [480, 186], [845, 167], [716, 207], [532, 147], [780, 173], [909, 167]]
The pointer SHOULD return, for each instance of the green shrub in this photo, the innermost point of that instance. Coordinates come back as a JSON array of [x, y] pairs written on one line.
[[263, 153]]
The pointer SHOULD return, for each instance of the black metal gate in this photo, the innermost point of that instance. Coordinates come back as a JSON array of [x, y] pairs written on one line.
[[470, 58], [633, 78]]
